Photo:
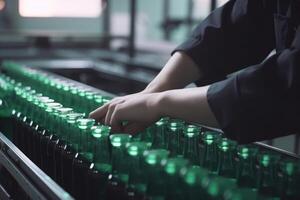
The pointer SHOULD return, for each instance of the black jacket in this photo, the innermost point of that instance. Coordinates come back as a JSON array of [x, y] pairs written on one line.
[[261, 100]]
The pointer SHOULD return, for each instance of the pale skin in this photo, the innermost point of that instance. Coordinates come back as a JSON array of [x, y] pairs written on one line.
[[164, 96]]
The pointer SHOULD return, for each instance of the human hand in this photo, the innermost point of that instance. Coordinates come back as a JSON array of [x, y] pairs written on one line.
[[138, 110]]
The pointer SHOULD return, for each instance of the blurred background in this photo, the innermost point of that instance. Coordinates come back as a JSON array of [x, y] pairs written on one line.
[[114, 45]]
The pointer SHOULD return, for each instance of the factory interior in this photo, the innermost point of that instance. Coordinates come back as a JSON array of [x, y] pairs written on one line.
[[61, 60]]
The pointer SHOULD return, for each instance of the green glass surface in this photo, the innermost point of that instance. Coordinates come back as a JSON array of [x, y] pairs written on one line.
[[210, 153], [246, 171], [226, 159], [101, 152], [191, 143], [175, 134]]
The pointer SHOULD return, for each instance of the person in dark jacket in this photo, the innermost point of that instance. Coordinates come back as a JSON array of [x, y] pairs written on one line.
[[243, 88]]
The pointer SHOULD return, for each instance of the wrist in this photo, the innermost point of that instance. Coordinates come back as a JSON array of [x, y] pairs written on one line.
[[156, 87], [157, 102]]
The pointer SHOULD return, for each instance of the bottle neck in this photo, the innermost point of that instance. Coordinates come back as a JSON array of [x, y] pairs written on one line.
[[246, 173], [210, 158], [226, 166], [119, 165], [191, 149], [174, 144], [102, 156]]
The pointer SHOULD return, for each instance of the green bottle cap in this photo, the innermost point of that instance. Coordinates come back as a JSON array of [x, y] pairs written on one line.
[[226, 145], [81, 93], [101, 131], [268, 159], [85, 123], [154, 157], [289, 167], [119, 140], [194, 175], [106, 99], [98, 99], [89, 95], [72, 117], [246, 151], [217, 186], [58, 86], [66, 88], [136, 149], [162, 122], [45, 100], [176, 124], [74, 90], [191, 131], [173, 166], [51, 107], [210, 137]]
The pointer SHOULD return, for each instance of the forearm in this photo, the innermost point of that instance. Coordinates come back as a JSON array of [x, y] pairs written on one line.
[[188, 104], [178, 72]]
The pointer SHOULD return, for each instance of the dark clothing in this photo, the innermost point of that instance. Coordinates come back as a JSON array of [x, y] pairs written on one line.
[[262, 100]]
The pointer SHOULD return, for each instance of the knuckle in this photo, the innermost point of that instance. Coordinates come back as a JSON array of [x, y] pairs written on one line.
[[111, 106]]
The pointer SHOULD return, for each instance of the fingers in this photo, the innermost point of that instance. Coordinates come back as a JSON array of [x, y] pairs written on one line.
[[100, 114], [115, 122]]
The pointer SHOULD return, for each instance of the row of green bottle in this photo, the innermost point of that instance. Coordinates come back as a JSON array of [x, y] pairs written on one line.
[[80, 98], [90, 162]]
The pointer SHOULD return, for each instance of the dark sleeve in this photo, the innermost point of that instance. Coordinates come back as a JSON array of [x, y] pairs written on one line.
[[262, 101], [234, 36]]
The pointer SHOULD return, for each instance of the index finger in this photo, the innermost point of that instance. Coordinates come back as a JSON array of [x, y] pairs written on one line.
[[99, 113]]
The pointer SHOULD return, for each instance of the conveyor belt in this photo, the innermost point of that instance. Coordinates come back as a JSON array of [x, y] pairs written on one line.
[[34, 181]]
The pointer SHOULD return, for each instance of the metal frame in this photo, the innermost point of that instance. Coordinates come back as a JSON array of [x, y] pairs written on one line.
[[262, 145], [4, 194], [32, 179], [281, 151]]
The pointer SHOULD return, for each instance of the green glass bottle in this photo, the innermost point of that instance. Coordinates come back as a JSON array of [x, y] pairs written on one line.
[[175, 135], [50, 110], [98, 101], [101, 167], [154, 170], [173, 184], [191, 143], [160, 133], [217, 186], [246, 172], [53, 137], [89, 95], [69, 150], [40, 115], [289, 179], [137, 182], [210, 153], [6, 98], [267, 174], [119, 178], [74, 98], [82, 141], [194, 177], [59, 143], [226, 158], [81, 100], [241, 194], [65, 95]]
